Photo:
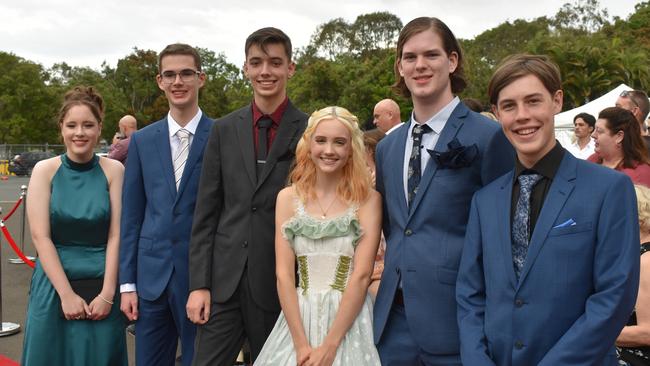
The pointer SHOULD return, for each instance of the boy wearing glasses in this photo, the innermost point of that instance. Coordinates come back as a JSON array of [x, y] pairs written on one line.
[[232, 253], [159, 195]]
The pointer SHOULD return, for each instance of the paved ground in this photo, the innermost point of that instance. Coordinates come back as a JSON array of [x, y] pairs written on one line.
[[15, 278]]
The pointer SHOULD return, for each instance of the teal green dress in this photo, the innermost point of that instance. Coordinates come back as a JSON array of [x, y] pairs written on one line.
[[79, 221]]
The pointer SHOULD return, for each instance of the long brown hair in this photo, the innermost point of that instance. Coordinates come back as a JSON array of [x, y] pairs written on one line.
[[633, 147]]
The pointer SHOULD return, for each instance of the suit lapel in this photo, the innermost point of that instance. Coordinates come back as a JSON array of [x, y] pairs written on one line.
[[503, 207], [287, 130], [560, 190], [395, 171], [452, 126], [165, 155], [244, 129], [198, 144]]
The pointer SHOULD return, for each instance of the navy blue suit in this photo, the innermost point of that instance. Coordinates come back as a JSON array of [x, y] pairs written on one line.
[[424, 244], [579, 282], [155, 232]]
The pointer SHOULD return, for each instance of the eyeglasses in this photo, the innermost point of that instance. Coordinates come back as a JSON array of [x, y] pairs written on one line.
[[629, 94], [187, 75]]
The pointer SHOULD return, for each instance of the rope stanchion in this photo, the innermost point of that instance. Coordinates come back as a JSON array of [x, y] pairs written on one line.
[[23, 194], [6, 328], [20, 200], [17, 250]]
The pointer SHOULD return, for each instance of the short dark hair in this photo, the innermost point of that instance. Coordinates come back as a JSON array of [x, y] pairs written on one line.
[[588, 118], [269, 35], [520, 65], [449, 43], [180, 49], [633, 146]]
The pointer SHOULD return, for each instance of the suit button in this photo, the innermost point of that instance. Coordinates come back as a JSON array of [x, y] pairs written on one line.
[[519, 303], [408, 232], [519, 345], [254, 209], [245, 244]]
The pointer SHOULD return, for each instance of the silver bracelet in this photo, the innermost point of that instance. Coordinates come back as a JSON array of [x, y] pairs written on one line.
[[104, 299]]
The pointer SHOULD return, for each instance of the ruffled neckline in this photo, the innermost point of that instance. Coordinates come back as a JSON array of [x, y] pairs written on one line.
[[304, 224], [68, 163]]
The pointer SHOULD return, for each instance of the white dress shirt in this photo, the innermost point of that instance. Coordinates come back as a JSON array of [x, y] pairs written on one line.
[[394, 128], [429, 140], [579, 153], [174, 143]]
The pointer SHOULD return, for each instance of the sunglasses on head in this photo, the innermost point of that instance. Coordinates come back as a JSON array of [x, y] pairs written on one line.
[[630, 95]]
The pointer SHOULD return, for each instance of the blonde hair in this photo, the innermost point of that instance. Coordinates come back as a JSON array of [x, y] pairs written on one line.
[[643, 204], [354, 186]]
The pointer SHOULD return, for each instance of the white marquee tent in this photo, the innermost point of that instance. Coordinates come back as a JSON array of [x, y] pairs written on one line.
[[564, 120]]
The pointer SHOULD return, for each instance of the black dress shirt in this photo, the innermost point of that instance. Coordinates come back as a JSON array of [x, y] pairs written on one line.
[[547, 167]]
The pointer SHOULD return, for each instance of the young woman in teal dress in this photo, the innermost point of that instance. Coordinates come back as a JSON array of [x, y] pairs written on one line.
[[328, 222], [74, 215]]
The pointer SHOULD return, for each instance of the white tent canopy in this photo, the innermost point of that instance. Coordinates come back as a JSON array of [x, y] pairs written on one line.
[[564, 120]]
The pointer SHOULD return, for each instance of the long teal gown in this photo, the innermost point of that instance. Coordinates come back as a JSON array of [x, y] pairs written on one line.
[[79, 221]]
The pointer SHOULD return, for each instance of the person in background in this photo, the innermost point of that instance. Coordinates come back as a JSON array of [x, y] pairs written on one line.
[[120, 146], [73, 315], [633, 344], [583, 145], [473, 104], [618, 145], [636, 101], [370, 139], [387, 116]]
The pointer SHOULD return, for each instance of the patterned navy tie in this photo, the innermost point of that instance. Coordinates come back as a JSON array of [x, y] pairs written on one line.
[[415, 165], [521, 221]]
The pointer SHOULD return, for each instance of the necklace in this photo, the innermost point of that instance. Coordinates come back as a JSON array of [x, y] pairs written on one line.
[[324, 212]]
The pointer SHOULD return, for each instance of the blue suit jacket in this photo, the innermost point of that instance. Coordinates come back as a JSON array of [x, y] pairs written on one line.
[[156, 219], [423, 245], [579, 282]]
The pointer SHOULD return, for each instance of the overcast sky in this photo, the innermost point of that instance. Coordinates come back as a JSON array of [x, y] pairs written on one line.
[[86, 33]]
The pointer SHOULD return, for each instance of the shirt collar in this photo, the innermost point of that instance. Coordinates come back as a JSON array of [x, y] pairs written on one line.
[[546, 166], [276, 116], [191, 126], [437, 122]]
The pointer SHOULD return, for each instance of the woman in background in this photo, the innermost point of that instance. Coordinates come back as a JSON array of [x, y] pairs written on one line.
[[619, 145]]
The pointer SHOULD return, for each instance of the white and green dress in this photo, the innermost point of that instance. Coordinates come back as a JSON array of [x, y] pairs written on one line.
[[324, 251]]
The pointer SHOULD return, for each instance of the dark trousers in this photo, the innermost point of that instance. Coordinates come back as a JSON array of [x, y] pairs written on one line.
[[397, 347], [219, 341], [160, 323]]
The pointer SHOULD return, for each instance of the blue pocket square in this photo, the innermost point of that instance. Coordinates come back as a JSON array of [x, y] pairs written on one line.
[[569, 222]]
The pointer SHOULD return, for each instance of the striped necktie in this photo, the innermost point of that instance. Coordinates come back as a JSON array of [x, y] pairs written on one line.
[[181, 155]]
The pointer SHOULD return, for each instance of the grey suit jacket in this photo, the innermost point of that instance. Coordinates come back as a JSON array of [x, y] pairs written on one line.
[[234, 221]]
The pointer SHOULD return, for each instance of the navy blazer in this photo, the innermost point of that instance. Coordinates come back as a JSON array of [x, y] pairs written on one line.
[[156, 219], [579, 282], [424, 244]]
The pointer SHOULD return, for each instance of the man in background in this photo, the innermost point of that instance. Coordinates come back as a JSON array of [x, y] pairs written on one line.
[[120, 146], [387, 116]]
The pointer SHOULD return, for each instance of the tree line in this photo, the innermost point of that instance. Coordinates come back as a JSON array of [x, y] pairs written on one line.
[[345, 63]]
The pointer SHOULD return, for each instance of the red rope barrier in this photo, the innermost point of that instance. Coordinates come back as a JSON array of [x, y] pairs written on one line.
[[11, 242], [13, 209]]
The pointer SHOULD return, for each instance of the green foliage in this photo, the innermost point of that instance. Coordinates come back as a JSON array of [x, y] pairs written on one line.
[[346, 64]]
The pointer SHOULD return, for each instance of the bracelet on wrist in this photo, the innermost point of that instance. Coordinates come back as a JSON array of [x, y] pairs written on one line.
[[105, 299]]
